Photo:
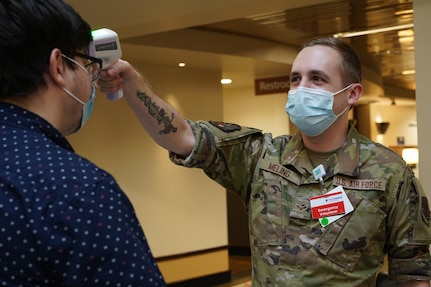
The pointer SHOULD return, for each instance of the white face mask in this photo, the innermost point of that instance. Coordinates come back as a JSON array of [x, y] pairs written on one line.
[[87, 108], [311, 109]]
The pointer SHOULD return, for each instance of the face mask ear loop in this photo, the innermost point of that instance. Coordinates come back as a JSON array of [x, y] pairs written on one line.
[[342, 111], [72, 95], [340, 91]]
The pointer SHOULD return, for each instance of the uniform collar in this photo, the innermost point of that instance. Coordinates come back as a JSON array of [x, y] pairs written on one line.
[[345, 161]]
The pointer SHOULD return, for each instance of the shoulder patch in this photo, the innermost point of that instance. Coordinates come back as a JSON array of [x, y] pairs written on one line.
[[226, 127]]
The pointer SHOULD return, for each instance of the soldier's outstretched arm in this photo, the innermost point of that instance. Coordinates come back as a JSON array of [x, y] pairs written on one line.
[[164, 124]]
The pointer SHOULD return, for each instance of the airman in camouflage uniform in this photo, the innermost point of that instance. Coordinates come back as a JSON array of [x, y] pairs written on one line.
[[289, 248], [388, 211]]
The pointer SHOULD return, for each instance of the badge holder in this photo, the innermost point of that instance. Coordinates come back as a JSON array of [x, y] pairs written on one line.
[[330, 206], [319, 172]]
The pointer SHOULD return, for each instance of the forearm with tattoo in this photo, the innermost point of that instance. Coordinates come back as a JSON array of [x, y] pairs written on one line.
[[158, 113]]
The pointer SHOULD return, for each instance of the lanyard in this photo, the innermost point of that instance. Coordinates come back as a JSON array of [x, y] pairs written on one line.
[[318, 173]]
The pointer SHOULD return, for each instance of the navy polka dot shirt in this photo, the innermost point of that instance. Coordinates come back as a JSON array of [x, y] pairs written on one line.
[[63, 221]]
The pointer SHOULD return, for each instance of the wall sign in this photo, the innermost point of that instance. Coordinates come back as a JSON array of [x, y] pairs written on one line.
[[273, 85]]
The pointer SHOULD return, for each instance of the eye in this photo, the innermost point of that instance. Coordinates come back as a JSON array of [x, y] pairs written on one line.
[[294, 80], [318, 80]]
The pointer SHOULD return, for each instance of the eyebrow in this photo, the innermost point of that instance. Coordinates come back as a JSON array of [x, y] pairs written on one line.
[[312, 72], [319, 73], [294, 74]]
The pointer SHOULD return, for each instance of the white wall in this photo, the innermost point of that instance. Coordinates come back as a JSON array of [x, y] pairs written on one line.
[[265, 112], [422, 13], [402, 122]]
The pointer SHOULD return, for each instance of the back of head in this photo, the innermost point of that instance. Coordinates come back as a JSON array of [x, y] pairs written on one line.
[[351, 63], [29, 31]]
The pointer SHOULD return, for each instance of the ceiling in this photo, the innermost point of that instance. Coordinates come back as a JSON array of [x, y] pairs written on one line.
[[249, 39]]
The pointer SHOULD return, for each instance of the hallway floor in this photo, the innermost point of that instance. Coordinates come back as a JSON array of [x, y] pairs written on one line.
[[240, 267]]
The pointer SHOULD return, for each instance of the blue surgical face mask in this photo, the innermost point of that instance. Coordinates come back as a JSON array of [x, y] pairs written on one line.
[[311, 109], [87, 108]]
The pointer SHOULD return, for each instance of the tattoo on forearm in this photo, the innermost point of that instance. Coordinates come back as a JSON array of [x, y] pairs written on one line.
[[158, 113]]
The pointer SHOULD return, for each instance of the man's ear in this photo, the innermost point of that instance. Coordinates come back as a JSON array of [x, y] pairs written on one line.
[[355, 94], [57, 67]]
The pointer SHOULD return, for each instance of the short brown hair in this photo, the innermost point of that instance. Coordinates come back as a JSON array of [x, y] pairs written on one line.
[[351, 63]]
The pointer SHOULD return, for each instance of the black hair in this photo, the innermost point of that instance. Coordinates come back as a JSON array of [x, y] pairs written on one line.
[[351, 63], [29, 31]]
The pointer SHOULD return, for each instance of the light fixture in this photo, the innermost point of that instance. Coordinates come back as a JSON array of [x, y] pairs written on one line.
[[408, 72], [406, 36], [406, 40], [411, 156], [181, 64], [404, 12], [382, 127], [406, 33], [372, 31], [226, 81]]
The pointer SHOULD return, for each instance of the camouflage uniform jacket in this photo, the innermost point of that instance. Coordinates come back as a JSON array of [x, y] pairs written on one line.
[[289, 248]]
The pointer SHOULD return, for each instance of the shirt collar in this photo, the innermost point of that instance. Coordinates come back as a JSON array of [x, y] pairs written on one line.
[[344, 161], [13, 115]]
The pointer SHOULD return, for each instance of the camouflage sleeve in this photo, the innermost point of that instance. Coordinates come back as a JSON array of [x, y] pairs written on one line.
[[409, 232], [226, 152]]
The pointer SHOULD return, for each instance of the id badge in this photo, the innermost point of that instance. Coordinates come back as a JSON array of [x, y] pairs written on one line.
[[330, 206]]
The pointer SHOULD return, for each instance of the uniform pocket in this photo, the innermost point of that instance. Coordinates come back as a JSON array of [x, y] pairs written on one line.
[[266, 213], [344, 240]]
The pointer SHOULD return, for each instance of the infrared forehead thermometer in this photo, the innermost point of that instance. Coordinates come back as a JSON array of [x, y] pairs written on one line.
[[106, 46]]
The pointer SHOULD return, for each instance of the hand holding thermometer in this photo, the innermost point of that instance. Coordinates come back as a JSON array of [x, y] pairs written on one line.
[[106, 46]]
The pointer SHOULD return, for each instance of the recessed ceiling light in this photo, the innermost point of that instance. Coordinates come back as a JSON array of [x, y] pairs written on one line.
[[408, 72], [226, 81], [404, 12], [181, 64]]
